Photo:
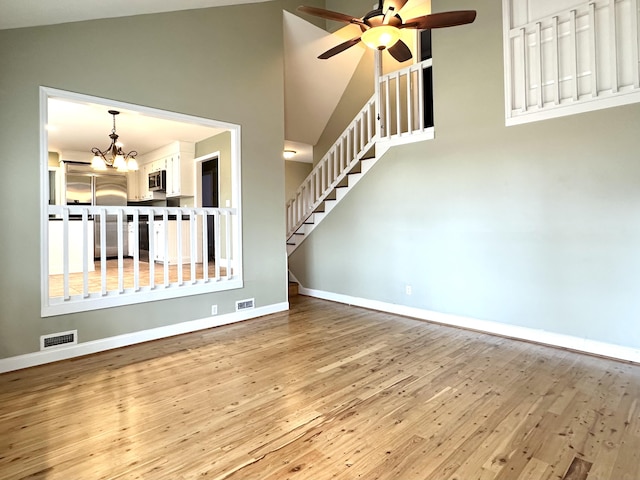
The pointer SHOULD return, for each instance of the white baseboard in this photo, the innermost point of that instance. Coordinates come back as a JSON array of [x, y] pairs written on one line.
[[86, 348], [584, 345]]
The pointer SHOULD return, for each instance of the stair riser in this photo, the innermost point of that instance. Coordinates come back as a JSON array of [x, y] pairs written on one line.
[[317, 217]]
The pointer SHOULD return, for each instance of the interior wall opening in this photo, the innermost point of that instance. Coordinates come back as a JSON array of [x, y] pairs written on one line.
[[157, 246]]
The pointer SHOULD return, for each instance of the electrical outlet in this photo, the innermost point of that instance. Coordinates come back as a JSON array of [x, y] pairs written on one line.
[[407, 289], [214, 309]]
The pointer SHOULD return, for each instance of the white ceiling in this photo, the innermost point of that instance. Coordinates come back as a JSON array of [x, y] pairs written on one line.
[[75, 126], [314, 87], [29, 13]]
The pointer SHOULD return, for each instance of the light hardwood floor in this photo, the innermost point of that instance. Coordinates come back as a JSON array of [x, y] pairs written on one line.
[[325, 391]]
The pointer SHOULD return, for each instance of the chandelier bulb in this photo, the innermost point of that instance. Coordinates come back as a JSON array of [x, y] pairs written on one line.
[[98, 163], [132, 164]]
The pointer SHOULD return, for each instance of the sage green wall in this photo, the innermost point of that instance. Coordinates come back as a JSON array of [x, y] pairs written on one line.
[[534, 225], [294, 175], [219, 143], [221, 63]]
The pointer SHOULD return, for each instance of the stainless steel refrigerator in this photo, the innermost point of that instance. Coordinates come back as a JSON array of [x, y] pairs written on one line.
[[110, 190], [85, 186]]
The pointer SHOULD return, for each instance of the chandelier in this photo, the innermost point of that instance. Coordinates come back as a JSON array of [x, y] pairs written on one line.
[[113, 155]]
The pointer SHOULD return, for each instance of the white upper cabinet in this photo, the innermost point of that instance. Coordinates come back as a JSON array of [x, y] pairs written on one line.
[[177, 159], [133, 186], [569, 56]]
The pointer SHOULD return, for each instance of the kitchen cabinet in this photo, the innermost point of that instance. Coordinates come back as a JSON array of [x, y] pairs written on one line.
[[180, 169], [133, 186], [76, 236], [180, 172], [171, 240], [173, 175], [137, 186], [143, 182], [177, 159], [158, 165]]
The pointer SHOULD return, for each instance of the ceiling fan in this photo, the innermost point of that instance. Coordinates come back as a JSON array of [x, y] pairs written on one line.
[[381, 27]]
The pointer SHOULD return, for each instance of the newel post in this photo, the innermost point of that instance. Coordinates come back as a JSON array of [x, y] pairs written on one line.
[[377, 55]]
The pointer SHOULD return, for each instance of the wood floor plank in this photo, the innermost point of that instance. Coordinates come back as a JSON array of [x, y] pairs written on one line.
[[324, 391], [578, 470]]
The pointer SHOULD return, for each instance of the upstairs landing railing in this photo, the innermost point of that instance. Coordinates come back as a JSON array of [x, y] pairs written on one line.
[[401, 103]]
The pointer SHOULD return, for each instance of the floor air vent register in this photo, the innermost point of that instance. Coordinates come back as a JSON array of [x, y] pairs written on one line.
[[57, 340], [244, 304]]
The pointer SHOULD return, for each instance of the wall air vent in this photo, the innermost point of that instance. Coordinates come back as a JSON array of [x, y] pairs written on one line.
[[56, 340], [245, 304]]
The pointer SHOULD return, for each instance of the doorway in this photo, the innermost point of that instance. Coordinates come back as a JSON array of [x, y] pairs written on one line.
[[210, 198], [425, 54]]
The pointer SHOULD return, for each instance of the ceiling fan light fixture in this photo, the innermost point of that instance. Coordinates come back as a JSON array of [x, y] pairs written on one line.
[[381, 27], [381, 37]]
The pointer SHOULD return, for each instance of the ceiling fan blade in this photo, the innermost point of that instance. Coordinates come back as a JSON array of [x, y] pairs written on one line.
[[400, 51], [396, 4], [441, 20], [339, 48], [329, 15]]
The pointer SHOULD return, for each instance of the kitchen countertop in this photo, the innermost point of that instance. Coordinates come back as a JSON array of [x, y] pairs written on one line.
[[156, 218]]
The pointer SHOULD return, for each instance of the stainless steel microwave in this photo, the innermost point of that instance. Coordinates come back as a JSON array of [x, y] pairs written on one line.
[[158, 181]]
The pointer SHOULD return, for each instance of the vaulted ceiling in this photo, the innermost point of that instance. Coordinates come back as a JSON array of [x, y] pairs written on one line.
[[30, 13]]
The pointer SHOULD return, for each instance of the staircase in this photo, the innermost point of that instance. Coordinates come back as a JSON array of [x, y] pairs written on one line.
[[397, 117]]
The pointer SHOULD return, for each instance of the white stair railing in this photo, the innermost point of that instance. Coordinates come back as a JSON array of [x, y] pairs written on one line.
[[333, 167]]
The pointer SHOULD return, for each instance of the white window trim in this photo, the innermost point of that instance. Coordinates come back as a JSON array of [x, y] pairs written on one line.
[[49, 308]]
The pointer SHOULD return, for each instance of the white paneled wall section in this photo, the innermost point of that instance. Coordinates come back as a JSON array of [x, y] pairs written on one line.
[[567, 56]]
